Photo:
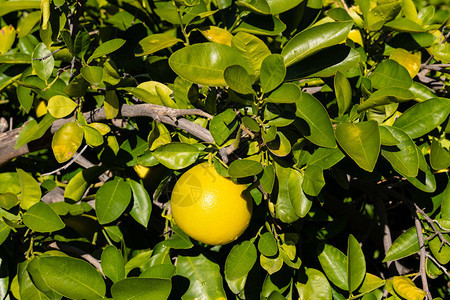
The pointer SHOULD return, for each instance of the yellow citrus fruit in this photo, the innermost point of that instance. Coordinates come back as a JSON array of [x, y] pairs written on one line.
[[210, 208]]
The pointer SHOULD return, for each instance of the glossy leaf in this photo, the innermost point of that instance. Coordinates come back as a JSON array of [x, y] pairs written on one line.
[[390, 73], [343, 92], [163, 271], [423, 117], [43, 62], [179, 239], [204, 277], [402, 156], [326, 157], [66, 141], [92, 74], [271, 265], [92, 136], [406, 288], [361, 141], [240, 260], [142, 204], [205, 63], [370, 283], [42, 218], [150, 94], [314, 121], [405, 245], [285, 93], [272, 72], [72, 278], [440, 251], [30, 191], [7, 38], [252, 48], [34, 271], [244, 168], [356, 267], [279, 6], [314, 39], [26, 288], [411, 61], [334, 264], [386, 96], [112, 263], [238, 79], [111, 200], [60, 106], [267, 244], [176, 156], [141, 288], [382, 13], [317, 286], [79, 183], [106, 48], [313, 180], [441, 52], [217, 35], [261, 25]]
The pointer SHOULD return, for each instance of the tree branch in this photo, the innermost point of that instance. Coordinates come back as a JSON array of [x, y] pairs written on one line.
[[166, 115]]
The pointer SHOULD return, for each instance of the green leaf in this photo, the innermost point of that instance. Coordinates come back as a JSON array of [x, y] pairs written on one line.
[[370, 283], [286, 93], [356, 267], [204, 277], [27, 290], [112, 263], [33, 130], [423, 117], [361, 141], [142, 204], [42, 67], [30, 191], [256, 6], [252, 48], [406, 288], [445, 204], [205, 63], [106, 48], [389, 74], [314, 39], [238, 79], [313, 180], [334, 264], [292, 203], [34, 271], [317, 287], [261, 25], [111, 104], [240, 260], [42, 218], [111, 200], [440, 250], [439, 156], [441, 52], [402, 156], [326, 157], [279, 6], [272, 71], [386, 96], [176, 156], [60, 106], [405, 245], [10, 6], [93, 74], [244, 168], [324, 63], [404, 25], [267, 180], [425, 181], [381, 14], [267, 244], [154, 43], [343, 91], [163, 271], [92, 136], [178, 240], [79, 183], [81, 43], [66, 141], [271, 265], [4, 233], [72, 278], [314, 122]]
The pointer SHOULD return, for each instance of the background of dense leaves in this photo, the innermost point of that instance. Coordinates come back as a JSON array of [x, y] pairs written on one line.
[[335, 114]]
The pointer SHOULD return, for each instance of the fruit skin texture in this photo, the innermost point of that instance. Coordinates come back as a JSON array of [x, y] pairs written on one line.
[[210, 208]]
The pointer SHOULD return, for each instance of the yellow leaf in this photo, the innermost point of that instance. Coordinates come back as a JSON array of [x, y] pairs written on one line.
[[410, 61], [66, 141], [7, 38], [217, 35], [406, 288]]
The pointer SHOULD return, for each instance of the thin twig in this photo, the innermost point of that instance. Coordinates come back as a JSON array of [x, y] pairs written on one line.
[[48, 55], [431, 222], [423, 257], [444, 269], [69, 163], [345, 5]]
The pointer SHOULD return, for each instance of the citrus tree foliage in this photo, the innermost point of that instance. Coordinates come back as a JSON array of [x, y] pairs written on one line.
[[334, 114]]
